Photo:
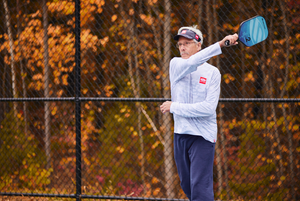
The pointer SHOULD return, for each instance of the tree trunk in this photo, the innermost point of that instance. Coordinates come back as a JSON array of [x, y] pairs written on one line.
[[200, 11], [286, 77], [273, 139], [166, 125], [219, 141], [11, 46], [222, 141], [3, 93], [23, 74], [132, 45], [47, 138], [137, 95], [138, 105], [209, 21]]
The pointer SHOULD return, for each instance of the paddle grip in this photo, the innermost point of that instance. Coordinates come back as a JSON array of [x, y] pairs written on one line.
[[227, 43]]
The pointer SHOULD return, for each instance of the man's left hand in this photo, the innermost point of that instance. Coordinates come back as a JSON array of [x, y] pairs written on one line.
[[165, 107]]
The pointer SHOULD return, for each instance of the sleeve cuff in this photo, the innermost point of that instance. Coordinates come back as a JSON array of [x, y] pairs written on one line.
[[173, 107], [220, 49]]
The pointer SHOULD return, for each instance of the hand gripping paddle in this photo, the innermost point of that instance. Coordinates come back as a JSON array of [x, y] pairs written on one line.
[[252, 31]]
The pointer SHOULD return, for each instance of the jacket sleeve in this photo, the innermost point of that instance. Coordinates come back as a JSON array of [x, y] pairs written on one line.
[[179, 67]]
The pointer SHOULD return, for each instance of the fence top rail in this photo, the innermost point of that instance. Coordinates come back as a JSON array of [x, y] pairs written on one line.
[[116, 99]]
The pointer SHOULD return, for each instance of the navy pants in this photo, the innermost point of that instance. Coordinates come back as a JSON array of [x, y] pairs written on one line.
[[194, 158]]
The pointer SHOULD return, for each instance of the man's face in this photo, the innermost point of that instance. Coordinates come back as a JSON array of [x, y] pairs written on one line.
[[188, 47]]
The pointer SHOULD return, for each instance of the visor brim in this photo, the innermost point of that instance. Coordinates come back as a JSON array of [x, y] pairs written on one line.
[[183, 35]]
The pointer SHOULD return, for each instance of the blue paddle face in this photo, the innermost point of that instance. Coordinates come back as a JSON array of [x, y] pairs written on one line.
[[253, 31]]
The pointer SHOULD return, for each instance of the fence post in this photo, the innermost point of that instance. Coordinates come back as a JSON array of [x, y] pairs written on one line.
[[77, 100]]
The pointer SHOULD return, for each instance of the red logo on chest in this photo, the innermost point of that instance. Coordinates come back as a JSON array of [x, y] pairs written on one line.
[[202, 80]]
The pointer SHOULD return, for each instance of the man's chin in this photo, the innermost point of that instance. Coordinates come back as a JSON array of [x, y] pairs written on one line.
[[185, 56]]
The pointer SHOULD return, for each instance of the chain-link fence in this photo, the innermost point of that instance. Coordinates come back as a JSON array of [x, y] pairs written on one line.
[[79, 105]]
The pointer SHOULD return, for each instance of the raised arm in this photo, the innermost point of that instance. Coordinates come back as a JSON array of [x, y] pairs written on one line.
[[181, 67]]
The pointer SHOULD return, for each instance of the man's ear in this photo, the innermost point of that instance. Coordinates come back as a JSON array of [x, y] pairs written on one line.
[[199, 46]]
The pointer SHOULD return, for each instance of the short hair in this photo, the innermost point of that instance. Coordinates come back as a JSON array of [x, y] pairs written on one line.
[[194, 29]]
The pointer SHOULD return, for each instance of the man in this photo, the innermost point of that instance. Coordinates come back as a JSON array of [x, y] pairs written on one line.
[[195, 90]]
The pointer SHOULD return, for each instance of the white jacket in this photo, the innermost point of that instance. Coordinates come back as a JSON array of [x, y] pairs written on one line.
[[195, 91]]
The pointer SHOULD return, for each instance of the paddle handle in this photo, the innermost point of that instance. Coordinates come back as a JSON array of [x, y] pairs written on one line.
[[227, 43]]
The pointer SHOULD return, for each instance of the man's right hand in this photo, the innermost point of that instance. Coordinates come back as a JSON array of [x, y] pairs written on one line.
[[232, 40]]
